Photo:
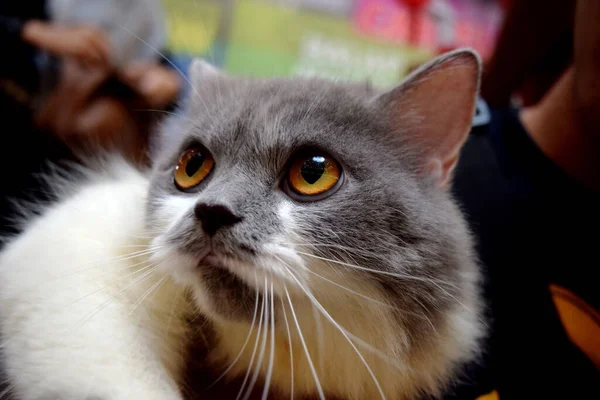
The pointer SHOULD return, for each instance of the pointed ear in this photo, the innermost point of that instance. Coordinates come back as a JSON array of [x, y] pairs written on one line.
[[207, 81], [201, 71], [434, 108]]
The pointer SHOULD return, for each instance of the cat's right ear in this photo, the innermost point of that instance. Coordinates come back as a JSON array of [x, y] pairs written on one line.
[[432, 111]]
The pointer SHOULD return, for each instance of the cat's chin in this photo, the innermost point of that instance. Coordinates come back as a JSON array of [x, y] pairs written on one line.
[[260, 273]]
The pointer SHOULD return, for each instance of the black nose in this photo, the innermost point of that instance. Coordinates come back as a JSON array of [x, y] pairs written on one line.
[[214, 217]]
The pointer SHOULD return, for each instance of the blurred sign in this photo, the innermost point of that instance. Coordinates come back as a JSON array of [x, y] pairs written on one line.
[[344, 39]]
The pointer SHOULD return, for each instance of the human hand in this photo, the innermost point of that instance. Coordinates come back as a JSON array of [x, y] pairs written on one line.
[[157, 84], [86, 44]]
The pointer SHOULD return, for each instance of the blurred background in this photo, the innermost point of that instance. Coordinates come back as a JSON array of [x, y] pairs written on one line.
[[379, 40]]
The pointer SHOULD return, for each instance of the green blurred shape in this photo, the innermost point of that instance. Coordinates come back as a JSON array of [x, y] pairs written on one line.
[[268, 40], [192, 25], [259, 38]]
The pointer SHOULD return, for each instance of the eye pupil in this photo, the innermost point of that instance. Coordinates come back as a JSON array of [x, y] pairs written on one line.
[[194, 163], [313, 169]]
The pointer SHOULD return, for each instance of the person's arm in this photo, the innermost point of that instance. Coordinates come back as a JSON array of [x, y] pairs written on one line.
[[531, 28], [84, 43], [587, 61]]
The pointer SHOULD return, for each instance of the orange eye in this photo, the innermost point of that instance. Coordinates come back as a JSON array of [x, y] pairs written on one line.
[[314, 174], [193, 166]]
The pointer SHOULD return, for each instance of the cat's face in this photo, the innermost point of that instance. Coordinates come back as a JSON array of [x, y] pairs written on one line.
[[315, 188]]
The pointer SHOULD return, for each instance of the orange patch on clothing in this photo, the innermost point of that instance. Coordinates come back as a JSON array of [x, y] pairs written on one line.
[[580, 320], [490, 396]]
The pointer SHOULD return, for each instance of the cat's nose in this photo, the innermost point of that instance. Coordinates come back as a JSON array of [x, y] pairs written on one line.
[[214, 217]]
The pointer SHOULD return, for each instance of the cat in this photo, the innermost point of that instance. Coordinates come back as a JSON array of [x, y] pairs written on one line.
[[307, 223]]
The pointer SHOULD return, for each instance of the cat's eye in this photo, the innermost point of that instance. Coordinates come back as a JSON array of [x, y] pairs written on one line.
[[193, 167], [312, 176]]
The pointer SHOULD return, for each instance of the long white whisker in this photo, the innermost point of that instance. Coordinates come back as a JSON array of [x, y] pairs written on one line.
[[272, 355], [320, 338], [147, 293], [7, 391], [358, 340], [105, 304], [150, 266], [287, 327], [340, 329], [263, 346], [381, 303], [175, 299], [374, 271], [137, 271], [310, 363], [260, 321], [185, 78], [245, 342], [108, 262]]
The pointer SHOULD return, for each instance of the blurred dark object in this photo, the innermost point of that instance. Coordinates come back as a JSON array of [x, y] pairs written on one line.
[[20, 70], [25, 149], [94, 109], [587, 64], [534, 47]]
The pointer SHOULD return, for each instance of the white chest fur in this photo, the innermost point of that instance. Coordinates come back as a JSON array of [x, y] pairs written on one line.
[[82, 311]]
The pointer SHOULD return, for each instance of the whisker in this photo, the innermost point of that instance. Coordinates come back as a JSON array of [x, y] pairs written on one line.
[[172, 312], [263, 346], [340, 329], [147, 293], [272, 355], [183, 75], [361, 342], [260, 321], [320, 338], [105, 304], [245, 342], [46, 282], [178, 115], [349, 250], [107, 286], [287, 328], [310, 363], [381, 303], [7, 391], [91, 293], [374, 271]]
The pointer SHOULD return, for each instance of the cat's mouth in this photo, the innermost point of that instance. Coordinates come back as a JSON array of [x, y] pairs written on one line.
[[212, 260], [231, 291], [246, 272]]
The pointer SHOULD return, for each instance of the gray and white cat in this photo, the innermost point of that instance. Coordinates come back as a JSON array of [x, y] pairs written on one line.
[[308, 222]]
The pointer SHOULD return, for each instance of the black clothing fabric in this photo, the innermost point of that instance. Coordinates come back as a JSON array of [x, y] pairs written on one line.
[[535, 227]]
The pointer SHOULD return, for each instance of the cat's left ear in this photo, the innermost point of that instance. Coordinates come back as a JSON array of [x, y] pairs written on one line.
[[201, 71], [434, 108], [207, 82]]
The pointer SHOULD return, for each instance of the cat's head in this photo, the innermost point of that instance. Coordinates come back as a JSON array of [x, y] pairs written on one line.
[[318, 191]]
